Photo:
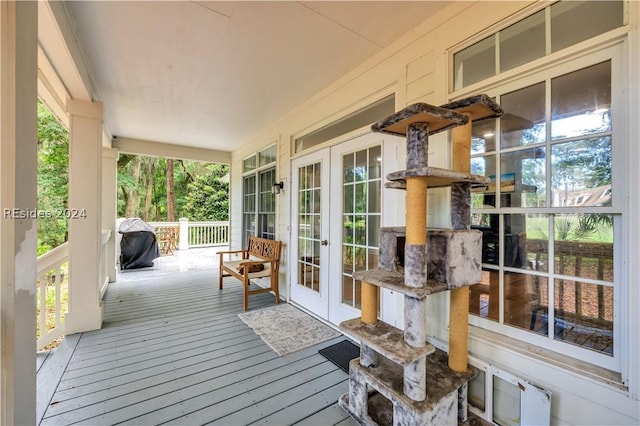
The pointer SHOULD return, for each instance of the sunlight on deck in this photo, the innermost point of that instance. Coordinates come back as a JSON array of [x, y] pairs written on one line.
[[173, 350]]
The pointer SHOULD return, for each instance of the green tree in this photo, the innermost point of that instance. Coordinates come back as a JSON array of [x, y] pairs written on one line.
[[53, 179], [208, 196]]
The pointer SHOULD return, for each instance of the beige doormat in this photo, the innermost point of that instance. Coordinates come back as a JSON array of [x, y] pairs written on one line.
[[286, 329]]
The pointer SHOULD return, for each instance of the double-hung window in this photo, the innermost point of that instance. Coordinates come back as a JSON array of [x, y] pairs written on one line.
[[553, 214], [258, 200]]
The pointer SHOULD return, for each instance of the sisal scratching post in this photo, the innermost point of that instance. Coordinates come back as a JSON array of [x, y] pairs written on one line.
[[416, 211], [459, 302], [369, 304]]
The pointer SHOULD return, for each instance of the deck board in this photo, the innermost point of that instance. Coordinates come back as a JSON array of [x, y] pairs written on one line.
[[173, 350]]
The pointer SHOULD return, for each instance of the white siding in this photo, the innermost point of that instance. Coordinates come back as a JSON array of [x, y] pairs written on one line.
[[416, 68]]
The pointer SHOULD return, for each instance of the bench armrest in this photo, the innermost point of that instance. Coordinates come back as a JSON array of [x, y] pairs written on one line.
[[245, 253]]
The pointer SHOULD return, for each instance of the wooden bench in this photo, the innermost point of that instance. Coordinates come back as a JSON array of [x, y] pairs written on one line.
[[261, 251]]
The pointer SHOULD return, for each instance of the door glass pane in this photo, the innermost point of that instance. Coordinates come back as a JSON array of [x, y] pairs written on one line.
[[575, 21], [348, 196], [361, 218], [347, 290], [309, 221], [581, 102], [523, 121], [375, 162], [361, 170], [522, 42], [374, 196], [348, 167]]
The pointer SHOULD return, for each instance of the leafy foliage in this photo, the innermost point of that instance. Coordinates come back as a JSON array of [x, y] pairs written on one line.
[[53, 179], [198, 193], [208, 196]]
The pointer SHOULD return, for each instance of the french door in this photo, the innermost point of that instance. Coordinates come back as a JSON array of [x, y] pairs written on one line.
[[337, 210], [309, 270]]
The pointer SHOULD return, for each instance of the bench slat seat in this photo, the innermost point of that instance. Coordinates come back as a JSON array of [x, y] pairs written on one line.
[[261, 251]]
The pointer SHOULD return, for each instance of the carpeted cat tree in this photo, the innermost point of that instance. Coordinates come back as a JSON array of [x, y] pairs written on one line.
[[399, 378]]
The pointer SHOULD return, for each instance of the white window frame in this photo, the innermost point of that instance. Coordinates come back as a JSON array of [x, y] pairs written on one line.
[[257, 173], [553, 66]]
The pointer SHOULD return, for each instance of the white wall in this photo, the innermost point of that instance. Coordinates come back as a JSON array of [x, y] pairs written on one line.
[[417, 69]]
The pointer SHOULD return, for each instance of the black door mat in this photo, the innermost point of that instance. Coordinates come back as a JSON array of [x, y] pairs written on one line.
[[341, 353]]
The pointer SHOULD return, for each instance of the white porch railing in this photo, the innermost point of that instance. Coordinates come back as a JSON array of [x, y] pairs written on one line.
[[205, 234], [186, 234], [52, 282]]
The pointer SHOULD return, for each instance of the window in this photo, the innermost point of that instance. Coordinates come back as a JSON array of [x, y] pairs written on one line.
[[258, 201], [554, 28], [363, 117], [550, 215]]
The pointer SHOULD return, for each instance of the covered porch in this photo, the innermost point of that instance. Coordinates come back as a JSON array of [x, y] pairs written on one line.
[[173, 350]]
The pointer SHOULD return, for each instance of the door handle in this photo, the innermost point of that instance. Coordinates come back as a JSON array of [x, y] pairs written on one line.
[[324, 242]]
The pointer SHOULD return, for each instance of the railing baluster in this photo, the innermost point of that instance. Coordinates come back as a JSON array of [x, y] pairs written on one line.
[[200, 234], [58, 280], [51, 262], [43, 305]]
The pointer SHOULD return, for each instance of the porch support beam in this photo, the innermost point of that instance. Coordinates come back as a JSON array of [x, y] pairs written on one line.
[[85, 199], [167, 150], [109, 207], [18, 227]]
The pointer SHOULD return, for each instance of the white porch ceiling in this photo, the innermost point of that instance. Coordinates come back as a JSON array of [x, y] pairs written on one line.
[[213, 74]]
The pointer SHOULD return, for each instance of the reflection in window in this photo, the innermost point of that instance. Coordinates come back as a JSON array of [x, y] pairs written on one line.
[[483, 136], [584, 245], [309, 226], [475, 63], [584, 315], [570, 22], [575, 21], [248, 207], [267, 203], [581, 102], [267, 156], [524, 120], [522, 179], [361, 209], [522, 42], [581, 173]]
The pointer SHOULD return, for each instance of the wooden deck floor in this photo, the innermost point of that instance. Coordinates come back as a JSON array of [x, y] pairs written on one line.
[[173, 351]]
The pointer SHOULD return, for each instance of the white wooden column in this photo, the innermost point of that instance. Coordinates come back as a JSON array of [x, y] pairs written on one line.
[[18, 228], [85, 216], [110, 206]]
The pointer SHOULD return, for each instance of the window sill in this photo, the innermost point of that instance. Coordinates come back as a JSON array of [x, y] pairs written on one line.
[[572, 365]]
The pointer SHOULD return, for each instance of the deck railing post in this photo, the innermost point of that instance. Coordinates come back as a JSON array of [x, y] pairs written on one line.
[[183, 241]]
